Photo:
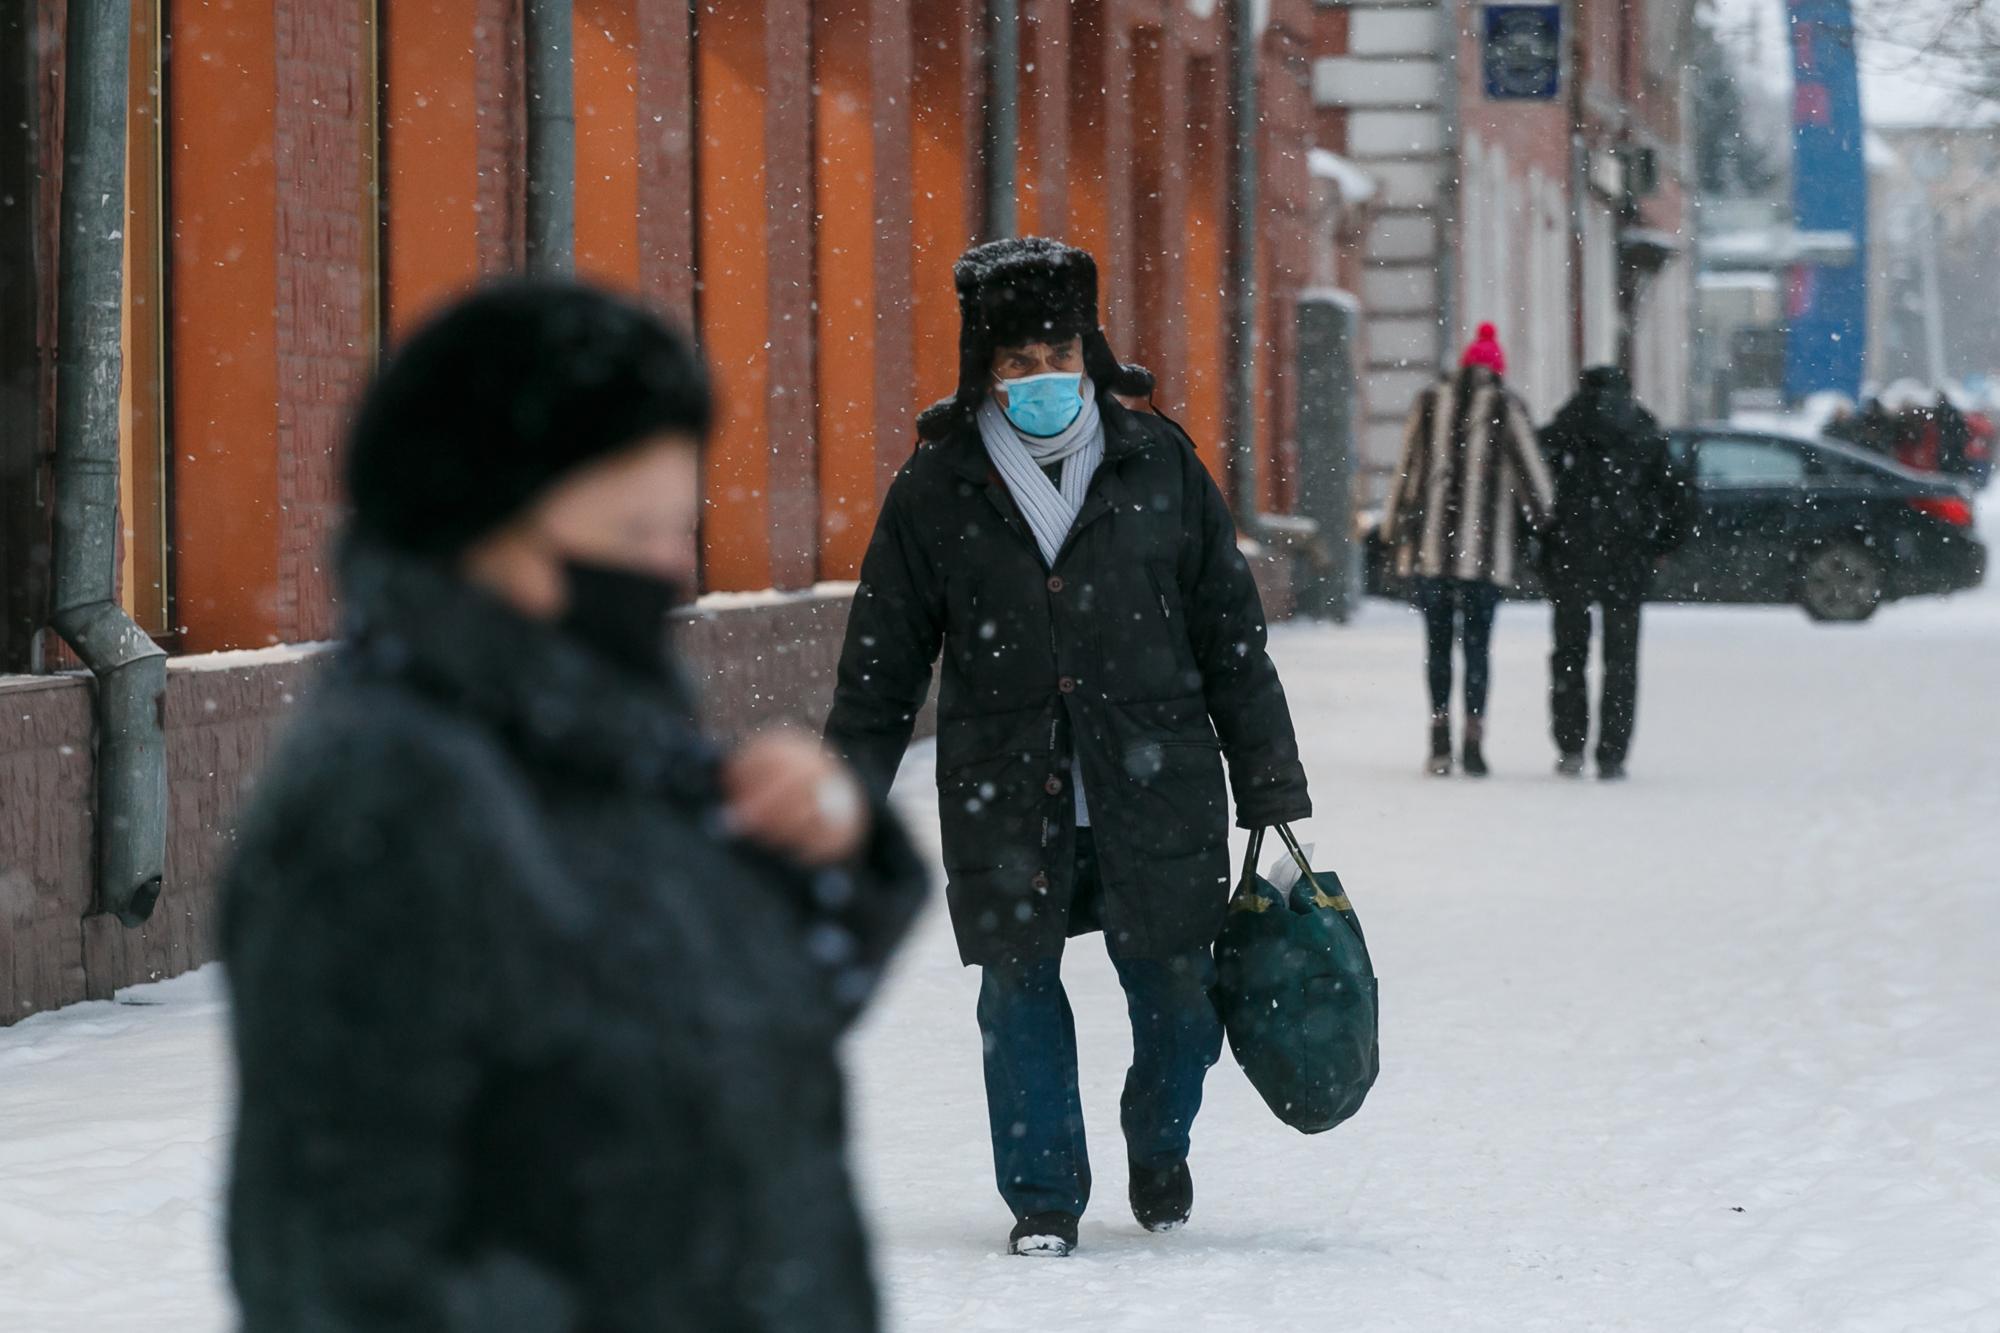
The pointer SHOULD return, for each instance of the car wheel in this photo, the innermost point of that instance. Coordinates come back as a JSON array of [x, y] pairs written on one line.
[[1841, 583]]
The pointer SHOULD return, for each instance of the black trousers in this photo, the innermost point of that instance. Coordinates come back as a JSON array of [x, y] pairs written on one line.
[[1569, 687], [1463, 610]]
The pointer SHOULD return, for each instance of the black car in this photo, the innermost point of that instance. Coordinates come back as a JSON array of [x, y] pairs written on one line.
[[1782, 519]]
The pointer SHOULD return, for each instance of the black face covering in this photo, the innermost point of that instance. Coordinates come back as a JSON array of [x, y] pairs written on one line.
[[621, 614]]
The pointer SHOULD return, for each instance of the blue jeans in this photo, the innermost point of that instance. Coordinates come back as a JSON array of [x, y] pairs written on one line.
[[1032, 1105], [1455, 608]]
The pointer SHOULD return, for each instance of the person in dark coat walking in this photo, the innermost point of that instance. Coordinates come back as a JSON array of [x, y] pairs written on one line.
[[537, 991], [1621, 505], [1103, 652], [1470, 477]]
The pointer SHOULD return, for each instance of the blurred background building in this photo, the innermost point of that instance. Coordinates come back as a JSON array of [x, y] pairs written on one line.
[[1262, 181]]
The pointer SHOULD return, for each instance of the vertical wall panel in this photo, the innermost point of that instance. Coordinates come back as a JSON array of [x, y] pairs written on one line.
[[1204, 310], [942, 197], [1089, 210], [861, 141], [1043, 202], [605, 37], [326, 280], [666, 157], [734, 290], [430, 155], [223, 271], [793, 521]]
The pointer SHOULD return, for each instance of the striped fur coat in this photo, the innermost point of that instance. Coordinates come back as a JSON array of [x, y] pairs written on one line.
[[1471, 473]]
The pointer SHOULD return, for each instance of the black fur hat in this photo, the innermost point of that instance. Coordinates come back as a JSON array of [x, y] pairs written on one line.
[[500, 396], [1025, 289]]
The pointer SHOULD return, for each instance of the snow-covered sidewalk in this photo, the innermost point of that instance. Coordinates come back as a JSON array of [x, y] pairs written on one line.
[[1716, 1049]]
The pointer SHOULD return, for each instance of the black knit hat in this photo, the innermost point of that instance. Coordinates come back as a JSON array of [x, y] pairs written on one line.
[[502, 394], [1019, 290]]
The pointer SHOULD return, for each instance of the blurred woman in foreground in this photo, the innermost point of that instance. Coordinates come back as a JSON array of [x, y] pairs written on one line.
[[537, 993]]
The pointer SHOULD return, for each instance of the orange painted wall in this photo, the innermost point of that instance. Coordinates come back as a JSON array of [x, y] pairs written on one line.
[[222, 272], [430, 155], [735, 293], [1089, 207], [605, 36], [942, 167], [1203, 307], [844, 184]]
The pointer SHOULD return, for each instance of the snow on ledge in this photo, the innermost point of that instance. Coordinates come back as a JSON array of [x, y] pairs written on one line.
[[714, 602], [1356, 185], [280, 654]]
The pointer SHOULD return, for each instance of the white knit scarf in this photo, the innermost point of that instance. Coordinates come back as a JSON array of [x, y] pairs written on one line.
[[1051, 510]]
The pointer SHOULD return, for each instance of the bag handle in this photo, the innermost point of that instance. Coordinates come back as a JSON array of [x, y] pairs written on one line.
[[1337, 901]]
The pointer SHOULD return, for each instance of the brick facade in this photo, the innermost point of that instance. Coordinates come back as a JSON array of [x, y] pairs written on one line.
[[802, 174]]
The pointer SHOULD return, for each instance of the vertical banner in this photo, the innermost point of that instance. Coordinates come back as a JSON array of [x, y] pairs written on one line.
[[1827, 303]]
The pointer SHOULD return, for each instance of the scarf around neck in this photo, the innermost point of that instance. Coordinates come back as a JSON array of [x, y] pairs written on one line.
[[1050, 509]]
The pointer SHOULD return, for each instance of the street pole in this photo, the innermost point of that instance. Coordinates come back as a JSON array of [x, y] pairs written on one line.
[[551, 138], [1003, 115]]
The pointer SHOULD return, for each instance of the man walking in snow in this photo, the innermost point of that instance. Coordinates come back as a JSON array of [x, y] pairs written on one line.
[[1620, 506], [1103, 652]]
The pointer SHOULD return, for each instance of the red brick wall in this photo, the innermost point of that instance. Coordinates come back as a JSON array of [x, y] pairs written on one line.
[[45, 841], [326, 325], [754, 665]]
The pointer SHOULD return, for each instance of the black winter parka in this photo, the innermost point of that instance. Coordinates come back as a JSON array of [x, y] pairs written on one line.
[[1621, 503], [1139, 657], [525, 1042]]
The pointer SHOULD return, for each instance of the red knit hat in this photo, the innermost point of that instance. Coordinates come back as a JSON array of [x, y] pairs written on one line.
[[1485, 351]]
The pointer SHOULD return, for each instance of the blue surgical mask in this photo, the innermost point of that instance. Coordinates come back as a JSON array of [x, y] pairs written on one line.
[[1044, 404]]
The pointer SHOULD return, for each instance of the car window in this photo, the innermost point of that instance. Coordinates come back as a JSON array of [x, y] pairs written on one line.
[[1727, 462], [1834, 467]]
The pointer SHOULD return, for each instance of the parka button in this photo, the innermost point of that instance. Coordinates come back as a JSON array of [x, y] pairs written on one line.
[[1040, 881], [1055, 583], [1053, 786], [1066, 685]]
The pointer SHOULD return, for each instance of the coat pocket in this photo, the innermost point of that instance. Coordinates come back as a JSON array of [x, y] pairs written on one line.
[[1175, 800], [992, 801]]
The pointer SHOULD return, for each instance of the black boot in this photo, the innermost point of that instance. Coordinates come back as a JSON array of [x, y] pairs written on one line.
[[1162, 1200], [1473, 756], [1043, 1236], [1440, 761]]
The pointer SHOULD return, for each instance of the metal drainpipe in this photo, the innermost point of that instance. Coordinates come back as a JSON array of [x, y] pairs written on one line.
[[130, 669], [551, 139], [1452, 47], [1248, 494], [1003, 115]]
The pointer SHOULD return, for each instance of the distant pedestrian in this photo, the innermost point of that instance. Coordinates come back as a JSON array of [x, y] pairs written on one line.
[[1072, 566], [536, 993], [1621, 505], [1470, 477]]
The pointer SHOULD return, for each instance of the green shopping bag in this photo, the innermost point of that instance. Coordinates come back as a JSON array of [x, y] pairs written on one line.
[[1297, 994]]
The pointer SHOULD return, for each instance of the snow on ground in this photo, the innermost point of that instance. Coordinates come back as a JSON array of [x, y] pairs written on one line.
[[1717, 1049]]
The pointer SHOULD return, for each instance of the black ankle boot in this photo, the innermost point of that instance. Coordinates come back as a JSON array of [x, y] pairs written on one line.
[[1162, 1200], [1440, 761], [1043, 1236], [1473, 756]]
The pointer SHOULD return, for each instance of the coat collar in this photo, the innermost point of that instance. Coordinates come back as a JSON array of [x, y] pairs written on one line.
[[1124, 435], [547, 696]]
